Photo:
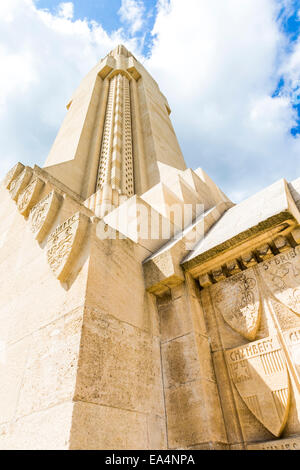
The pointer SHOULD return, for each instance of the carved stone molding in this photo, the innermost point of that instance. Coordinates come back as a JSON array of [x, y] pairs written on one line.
[[13, 174], [42, 215], [20, 183], [237, 299], [29, 197], [258, 255], [259, 373], [63, 245]]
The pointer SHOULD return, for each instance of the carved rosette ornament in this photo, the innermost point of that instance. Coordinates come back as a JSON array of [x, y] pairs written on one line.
[[20, 183], [282, 276], [64, 244], [237, 300], [42, 215], [29, 197], [13, 174], [259, 373]]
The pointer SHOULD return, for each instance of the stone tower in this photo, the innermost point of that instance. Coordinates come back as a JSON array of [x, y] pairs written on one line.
[[140, 308]]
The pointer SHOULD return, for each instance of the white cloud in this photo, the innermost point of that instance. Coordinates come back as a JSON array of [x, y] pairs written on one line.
[[66, 10], [43, 58], [218, 64], [131, 13]]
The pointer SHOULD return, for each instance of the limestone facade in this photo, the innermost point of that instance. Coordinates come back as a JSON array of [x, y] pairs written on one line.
[[140, 308]]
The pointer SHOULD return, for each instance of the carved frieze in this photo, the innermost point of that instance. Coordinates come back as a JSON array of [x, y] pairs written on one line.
[[42, 215], [237, 300], [282, 276], [13, 174], [20, 183], [259, 255], [259, 373], [64, 243], [29, 197]]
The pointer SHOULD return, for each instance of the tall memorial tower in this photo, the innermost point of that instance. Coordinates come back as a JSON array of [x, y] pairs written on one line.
[[140, 308]]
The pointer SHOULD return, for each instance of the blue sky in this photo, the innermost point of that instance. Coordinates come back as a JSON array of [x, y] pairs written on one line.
[[290, 24], [230, 70], [105, 12]]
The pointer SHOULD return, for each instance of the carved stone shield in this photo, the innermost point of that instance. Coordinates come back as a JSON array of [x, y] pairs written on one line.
[[64, 243], [29, 196], [13, 174], [20, 183], [237, 300], [259, 373], [282, 276], [42, 215]]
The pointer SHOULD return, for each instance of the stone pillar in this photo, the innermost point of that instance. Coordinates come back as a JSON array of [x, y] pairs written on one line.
[[193, 410]]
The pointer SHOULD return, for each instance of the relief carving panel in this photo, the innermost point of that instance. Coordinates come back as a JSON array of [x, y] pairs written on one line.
[[282, 276], [237, 300], [260, 375], [42, 215], [63, 245], [20, 183]]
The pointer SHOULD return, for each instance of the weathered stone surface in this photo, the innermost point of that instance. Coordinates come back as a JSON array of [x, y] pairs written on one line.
[[118, 365], [101, 427], [64, 244], [175, 320], [232, 425], [188, 408], [13, 174], [47, 430], [51, 367]]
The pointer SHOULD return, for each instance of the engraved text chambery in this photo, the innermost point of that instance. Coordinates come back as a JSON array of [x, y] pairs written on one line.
[[260, 375]]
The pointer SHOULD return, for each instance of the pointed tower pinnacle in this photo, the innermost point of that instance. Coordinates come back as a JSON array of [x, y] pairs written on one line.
[[120, 50], [117, 139]]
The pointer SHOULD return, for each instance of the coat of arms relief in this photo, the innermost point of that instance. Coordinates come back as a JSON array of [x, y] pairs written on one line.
[[259, 373], [64, 244], [237, 299], [261, 369]]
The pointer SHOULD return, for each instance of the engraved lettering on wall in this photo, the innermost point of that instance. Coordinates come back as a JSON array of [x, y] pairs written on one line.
[[64, 243], [42, 215]]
